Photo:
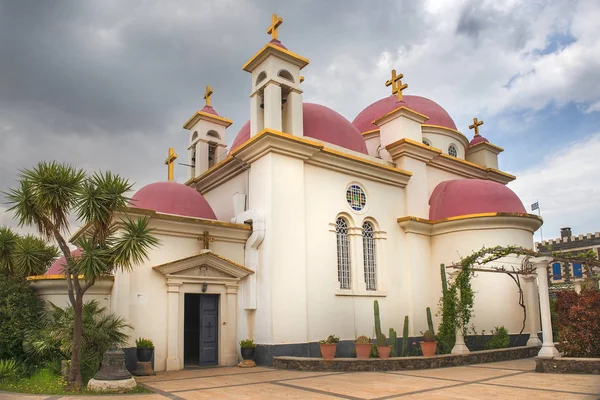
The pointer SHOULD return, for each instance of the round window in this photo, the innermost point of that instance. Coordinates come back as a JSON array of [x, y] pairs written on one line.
[[356, 197]]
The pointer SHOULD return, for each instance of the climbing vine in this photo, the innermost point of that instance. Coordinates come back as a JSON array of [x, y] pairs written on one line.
[[456, 303]]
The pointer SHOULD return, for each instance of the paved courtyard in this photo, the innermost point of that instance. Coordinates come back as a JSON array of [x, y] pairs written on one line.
[[503, 380]]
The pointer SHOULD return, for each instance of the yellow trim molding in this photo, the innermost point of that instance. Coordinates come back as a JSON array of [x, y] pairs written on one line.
[[203, 115], [468, 216], [271, 48], [399, 109], [59, 276]]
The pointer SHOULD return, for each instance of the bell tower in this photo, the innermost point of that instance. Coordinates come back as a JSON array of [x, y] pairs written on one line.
[[208, 140], [276, 97]]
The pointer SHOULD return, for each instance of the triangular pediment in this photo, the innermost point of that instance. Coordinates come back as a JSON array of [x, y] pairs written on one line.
[[205, 264]]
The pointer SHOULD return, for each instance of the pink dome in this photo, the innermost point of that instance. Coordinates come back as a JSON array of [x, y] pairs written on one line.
[[472, 196], [320, 123], [172, 198], [437, 115], [277, 43], [57, 266], [478, 139], [209, 110]]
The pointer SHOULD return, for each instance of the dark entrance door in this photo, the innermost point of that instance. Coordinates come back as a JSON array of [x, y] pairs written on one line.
[[200, 326]]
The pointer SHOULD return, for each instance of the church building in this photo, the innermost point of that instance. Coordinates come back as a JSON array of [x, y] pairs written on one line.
[[290, 234]]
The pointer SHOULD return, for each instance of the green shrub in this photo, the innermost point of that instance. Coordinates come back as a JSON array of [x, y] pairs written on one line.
[[20, 311], [9, 370], [247, 344], [331, 339], [500, 338], [142, 343]]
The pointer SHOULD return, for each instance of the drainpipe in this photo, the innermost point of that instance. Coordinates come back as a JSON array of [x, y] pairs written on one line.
[[257, 219]]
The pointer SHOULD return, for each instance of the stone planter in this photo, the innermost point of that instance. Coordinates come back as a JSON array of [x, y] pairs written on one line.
[[328, 351], [248, 353], [384, 351], [144, 355], [363, 351], [428, 348]]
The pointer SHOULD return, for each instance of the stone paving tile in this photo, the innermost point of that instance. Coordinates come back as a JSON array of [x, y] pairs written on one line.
[[254, 392], [13, 396], [521, 365], [196, 373], [227, 380], [479, 391], [459, 374], [149, 396], [368, 385], [585, 384]]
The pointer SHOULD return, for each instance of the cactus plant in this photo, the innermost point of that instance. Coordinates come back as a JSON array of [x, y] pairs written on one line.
[[393, 340], [405, 337], [444, 280], [381, 340], [428, 336], [362, 340], [377, 319], [430, 321]]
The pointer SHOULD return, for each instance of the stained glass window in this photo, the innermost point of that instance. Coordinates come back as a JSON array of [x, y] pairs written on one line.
[[453, 151], [369, 256], [343, 253], [356, 197]]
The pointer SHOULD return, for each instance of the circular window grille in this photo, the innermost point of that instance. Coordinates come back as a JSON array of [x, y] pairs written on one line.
[[356, 197]]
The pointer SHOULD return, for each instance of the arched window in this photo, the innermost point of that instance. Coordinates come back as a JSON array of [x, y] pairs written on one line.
[[261, 77], [369, 256], [214, 134], [452, 150], [212, 154], [426, 142], [286, 75], [343, 253], [194, 136]]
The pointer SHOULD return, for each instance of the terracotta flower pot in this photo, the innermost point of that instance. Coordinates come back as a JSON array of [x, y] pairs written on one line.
[[328, 351], [384, 351], [363, 351], [428, 348]]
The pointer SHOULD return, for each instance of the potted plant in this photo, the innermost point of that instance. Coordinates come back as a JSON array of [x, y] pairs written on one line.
[[363, 347], [382, 347], [328, 347], [428, 345], [145, 348], [248, 347]]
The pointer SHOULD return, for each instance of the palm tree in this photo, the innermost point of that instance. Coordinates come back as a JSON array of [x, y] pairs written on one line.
[[22, 256], [47, 197]]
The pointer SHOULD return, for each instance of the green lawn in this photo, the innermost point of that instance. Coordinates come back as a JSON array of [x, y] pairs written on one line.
[[46, 382]]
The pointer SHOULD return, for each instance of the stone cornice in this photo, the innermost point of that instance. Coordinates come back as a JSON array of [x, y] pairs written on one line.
[[206, 257], [410, 148], [279, 52], [468, 169], [201, 115], [401, 111], [484, 146]]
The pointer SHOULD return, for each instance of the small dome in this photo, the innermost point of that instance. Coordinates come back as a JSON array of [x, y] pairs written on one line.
[[472, 196], [320, 123], [277, 43], [478, 139], [57, 266], [437, 115], [209, 110], [172, 198]]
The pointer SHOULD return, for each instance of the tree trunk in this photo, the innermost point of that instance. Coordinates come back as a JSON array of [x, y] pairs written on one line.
[[75, 380]]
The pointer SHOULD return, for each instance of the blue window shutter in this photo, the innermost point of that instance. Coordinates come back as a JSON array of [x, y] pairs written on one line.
[[556, 272], [577, 271]]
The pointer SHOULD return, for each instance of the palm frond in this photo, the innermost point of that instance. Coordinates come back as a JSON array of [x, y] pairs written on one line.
[[8, 244], [134, 244]]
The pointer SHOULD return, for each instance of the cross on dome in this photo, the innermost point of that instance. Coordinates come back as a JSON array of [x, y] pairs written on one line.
[[475, 126], [170, 161], [273, 29], [207, 95], [396, 82]]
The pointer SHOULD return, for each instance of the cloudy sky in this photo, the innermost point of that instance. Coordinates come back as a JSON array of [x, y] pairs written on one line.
[[108, 84]]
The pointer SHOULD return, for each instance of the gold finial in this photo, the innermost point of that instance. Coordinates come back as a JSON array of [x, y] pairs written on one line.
[[207, 94], [275, 22], [396, 82], [475, 126], [170, 161], [301, 79], [206, 239]]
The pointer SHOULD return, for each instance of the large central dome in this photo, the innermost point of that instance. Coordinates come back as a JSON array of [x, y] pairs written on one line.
[[321, 123], [437, 115]]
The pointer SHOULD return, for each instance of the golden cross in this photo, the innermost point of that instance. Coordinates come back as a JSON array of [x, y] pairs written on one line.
[[396, 83], [206, 239], [207, 94], [170, 161], [275, 22], [475, 126]]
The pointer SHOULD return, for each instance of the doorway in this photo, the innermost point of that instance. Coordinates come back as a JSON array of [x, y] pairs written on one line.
[[200, 327]]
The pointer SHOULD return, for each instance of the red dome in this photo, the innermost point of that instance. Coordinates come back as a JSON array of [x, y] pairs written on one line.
[[437, 115], [172, 198], [57, 266], [472, 196], [320, 123], [478, 139], [210, 110]]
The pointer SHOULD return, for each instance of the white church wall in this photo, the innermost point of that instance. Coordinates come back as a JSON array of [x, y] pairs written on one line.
[[348, 316], [435, 176], [442, 139], [220, 197], [496, 295]]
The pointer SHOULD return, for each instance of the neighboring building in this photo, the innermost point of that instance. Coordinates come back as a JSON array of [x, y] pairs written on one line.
[[563, 273], [292, 233]]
